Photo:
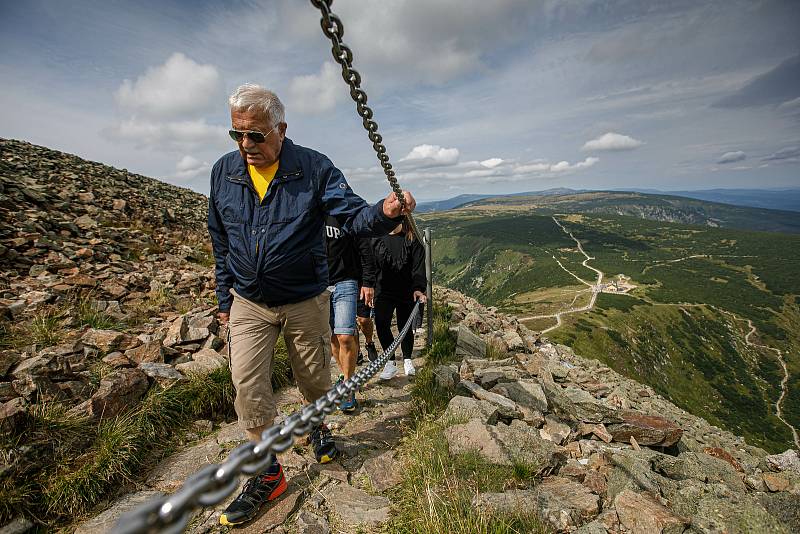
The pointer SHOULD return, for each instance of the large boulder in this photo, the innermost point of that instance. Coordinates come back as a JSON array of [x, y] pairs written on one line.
[[469, 345], [525, 392], [646, 429], [565, 504], [118, 390], [462, 409], [203, 361], [698, 466], [506, 407], [475, 436], [526, 446], [641, 514], [786, 461], [577, 405], [108, 340]]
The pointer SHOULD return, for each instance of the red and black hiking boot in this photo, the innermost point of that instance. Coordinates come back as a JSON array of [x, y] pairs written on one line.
[[258, 490], [324, 447]]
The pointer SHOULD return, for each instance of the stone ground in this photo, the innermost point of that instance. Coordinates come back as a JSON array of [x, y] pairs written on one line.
[[349, 494]]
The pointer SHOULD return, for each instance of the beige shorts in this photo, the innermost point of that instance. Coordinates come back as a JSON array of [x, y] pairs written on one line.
[[254, 330]]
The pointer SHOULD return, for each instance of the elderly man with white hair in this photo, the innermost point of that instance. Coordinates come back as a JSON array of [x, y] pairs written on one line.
[[267, 208]]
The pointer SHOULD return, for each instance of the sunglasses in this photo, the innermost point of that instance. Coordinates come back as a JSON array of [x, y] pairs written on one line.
[[254, 136]]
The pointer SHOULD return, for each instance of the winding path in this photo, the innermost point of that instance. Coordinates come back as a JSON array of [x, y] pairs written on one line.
[[784, 382], [595, 288]]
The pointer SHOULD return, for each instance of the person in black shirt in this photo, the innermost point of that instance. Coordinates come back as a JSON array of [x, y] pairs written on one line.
[[401, 281], [351, 274]]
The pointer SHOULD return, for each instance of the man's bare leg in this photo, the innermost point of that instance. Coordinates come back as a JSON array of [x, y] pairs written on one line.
[[254, 434], [348, 351], [365, 324]]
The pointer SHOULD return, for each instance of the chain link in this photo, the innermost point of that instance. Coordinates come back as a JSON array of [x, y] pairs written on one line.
[[333, 29], [211, 484]]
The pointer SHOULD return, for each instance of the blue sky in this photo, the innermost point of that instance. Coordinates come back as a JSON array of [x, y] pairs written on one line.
[[471, 96]]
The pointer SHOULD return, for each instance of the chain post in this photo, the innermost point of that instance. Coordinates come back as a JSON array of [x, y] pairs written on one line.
[[429, 288]]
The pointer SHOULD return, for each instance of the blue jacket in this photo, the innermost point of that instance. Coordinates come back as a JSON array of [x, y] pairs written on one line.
[[273, 251]]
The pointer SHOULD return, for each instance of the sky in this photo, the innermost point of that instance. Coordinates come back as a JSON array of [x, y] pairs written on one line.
[[470, 96]]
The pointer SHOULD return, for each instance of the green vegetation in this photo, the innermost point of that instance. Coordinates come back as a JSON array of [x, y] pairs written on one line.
[[646, 206], [681, 330], [437, 489], [59, 465]]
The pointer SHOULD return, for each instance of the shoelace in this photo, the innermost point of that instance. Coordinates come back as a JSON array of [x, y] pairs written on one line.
[[253, 492], [321, 435]]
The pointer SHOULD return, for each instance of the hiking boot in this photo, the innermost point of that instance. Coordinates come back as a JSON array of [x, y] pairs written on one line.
[[350, 405], [324, 447], [372, 352], [408, 366], [389, 370], [360, 357], [258, 490]]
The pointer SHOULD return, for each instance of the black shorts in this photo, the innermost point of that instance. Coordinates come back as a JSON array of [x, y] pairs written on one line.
[[362, 310]]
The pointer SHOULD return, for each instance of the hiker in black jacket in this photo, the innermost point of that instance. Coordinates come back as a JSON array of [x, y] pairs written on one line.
[[351, 275], [401, 281]]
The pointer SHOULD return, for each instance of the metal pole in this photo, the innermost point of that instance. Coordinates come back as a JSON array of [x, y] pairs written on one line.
[[429, 289]]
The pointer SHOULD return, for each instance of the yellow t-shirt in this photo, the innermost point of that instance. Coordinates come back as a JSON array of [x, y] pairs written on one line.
[[262, 177]]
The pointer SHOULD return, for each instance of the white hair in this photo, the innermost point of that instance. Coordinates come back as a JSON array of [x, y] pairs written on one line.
[[252, 97]]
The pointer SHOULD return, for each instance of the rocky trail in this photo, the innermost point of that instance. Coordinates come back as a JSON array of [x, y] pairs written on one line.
[[604, 454], [353, 492]]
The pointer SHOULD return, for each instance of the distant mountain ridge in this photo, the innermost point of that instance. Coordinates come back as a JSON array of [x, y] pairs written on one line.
[[774, 199], [658, 207]]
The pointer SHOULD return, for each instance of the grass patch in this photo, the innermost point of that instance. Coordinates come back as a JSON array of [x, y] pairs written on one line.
[[438, 488], [46, 328], [428, 396], [62, 465], [87, 314], [57, 465]]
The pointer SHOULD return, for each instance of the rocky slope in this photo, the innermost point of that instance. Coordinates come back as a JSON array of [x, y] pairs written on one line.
[[80, 243], [614, 455], [106, 292]]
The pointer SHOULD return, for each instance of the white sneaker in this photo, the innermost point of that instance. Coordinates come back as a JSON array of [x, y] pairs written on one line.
[[409, 367], [389, 370]]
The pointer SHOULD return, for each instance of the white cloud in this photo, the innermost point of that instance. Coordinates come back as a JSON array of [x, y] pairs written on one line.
[[422, 156], [189, 167], [316, 93], [732, 157], [471, 173], [178, 88], [612, 142], [491, 163], [432, 42], [790, 154], [790, 107], [562, 167], [167, 136]]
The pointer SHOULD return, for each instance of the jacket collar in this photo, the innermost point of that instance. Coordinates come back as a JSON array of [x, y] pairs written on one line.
[[288, 161]]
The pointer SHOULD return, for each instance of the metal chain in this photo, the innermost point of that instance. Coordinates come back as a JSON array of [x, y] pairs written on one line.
[[333, 29], [211, 484]]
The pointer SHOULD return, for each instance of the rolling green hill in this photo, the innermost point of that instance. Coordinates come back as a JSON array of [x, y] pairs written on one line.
[[682, 326], [665, 208]]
